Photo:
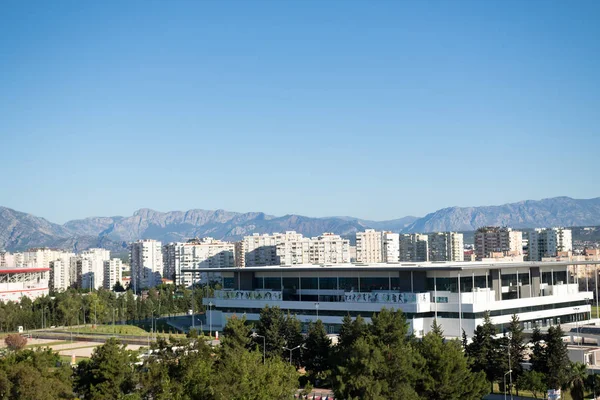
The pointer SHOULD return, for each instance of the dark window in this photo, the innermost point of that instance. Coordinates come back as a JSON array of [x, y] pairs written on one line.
[[328, 283]]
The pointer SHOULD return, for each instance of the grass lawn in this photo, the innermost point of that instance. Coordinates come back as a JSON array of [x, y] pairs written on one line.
[[116, 329], [566, 395], [125, 330]]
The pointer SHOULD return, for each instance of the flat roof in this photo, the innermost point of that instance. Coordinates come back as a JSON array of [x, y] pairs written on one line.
[[22, 270], [403, 266]]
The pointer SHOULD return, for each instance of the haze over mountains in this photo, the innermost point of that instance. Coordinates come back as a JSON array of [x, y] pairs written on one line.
[[20, 231]]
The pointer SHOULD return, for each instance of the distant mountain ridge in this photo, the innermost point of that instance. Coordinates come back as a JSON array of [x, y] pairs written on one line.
[[556, 211], [19, 231]]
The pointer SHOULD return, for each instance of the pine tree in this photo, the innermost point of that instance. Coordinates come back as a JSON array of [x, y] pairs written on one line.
[[317, 352], [485, 351], [271, 325], [236, 333], [108, 373], [292, 333], [446, 374]]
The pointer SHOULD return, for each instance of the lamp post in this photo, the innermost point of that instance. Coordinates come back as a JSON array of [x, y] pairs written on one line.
[[577, 321], [210, 304], [317, 307], [506, 373], [256, 335], [291, 350]]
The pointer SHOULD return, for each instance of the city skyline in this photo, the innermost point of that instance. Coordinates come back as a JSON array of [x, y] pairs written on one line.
[[109, 107]]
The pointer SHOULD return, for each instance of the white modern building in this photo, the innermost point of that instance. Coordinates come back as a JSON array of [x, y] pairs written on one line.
[[113, 273], [89, 266], [493, 240], [146, 260], [549, 242], [197, 253], [446, 246], [457, 294], [414, 247]]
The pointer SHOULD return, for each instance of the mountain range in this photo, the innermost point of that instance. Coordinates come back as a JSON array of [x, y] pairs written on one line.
[[19, 231]]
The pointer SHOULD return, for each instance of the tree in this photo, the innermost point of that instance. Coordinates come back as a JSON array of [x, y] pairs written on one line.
[[34, 375], [118, 287], [557, 366], [532, 381], [538, 355], [317, 352], [446, 374], [236, 334], [485, 351], [15, 341], [292, 333], [108, 374], [516, 347], [577, 380], [271, 325], [241, 374]]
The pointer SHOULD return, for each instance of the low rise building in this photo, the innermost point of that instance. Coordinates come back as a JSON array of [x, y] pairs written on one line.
[[456, 294]]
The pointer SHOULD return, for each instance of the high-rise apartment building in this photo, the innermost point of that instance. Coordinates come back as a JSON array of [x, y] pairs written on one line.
[[391, 247], [325, 249], [113, 273], [414, 247], [146, 259], [446, 246], [261, 250], [493, 239], [180, 258], [6, 259], [60, 275], [549, 242], [89, 265], [369, 246]]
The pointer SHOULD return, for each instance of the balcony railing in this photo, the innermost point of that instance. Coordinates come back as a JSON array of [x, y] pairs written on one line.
[[248, 295]]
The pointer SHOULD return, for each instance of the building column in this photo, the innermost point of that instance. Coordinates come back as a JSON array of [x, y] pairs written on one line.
[[459, 309], [435, 292], [412, 290]]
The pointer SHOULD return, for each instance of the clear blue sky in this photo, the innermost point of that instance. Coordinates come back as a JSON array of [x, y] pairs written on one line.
[[375, 109]]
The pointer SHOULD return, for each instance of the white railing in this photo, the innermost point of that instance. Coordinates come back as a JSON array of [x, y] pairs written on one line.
[[248, 295], [394, 298]]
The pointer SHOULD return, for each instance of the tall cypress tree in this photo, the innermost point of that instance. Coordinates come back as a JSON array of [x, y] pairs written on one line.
[[516, 347], [557, 358]]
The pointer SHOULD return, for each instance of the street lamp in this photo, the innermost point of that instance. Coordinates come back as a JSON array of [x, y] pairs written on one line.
[[291, 350], [506, 373], [577, 322], [256, 335], [317, 307], [210, 304]]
